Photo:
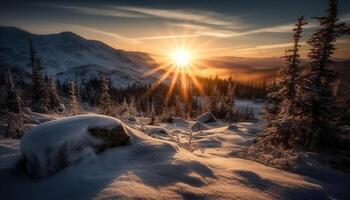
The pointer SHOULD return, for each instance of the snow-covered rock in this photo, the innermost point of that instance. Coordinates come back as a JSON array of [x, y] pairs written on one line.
[[206, 118], [56, 144], [199, 126], [156, 130]]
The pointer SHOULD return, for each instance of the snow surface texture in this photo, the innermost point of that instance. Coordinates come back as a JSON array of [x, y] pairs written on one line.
[[152, 168]]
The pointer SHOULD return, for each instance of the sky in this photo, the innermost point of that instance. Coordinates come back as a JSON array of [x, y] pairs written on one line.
[[242, 28]]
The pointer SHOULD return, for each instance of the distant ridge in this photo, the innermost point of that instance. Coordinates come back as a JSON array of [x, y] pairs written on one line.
[[68, 55]]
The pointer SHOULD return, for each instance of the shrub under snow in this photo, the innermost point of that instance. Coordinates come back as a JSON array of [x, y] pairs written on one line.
[[54, 145]]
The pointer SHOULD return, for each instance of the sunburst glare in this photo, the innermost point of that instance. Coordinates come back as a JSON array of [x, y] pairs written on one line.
[[181, 57]]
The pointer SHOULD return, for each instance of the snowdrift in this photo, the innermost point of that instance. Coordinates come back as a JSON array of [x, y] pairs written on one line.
[[156, 130], [56, 144], [151, 168]]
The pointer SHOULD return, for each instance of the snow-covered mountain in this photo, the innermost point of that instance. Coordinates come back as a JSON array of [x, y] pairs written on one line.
[[67, 56]]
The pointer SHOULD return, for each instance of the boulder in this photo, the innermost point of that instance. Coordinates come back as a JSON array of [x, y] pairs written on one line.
[[57, 144], [199, 126]]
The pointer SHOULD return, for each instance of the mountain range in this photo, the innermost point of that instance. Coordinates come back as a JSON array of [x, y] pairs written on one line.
[[67, 55]]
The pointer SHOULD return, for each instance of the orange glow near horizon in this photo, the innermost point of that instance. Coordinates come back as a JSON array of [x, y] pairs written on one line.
[[180, 67]]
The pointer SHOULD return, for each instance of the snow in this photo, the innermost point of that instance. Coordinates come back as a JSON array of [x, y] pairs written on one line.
[[206, 117], [67, 55], [56, 132], [255, 105], [150, 130], [41, 146], [177, 121], [154, 168], [199, 126]]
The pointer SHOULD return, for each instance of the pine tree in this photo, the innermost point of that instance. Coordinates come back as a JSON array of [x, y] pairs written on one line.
[[132, 110], [73, 96], [214, 98], [53, 97], [271, 105], [282, 113], [153, 115], [105, 99], [230, 105], [15, 117], [39, 92], [13, 101], [319, 108]]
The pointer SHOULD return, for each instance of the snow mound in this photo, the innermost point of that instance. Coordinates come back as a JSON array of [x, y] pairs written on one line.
[[199, 126], [56, 144], [156, 130], [206, 117]]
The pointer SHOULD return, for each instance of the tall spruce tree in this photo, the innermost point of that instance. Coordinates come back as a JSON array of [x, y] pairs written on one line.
[[53, 97], [13, 104], [73, 97], [281, 109], [230, 103], [105, 99], [39, 92], [13, 101], [319, 108]]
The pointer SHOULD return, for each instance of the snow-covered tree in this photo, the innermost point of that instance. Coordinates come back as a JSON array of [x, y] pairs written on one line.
[[13, 104], [153, 115], [53, 97], [105, 99], [271, 105], [132, 107], [319, 109], [13, 101], [230, 102], [281, 108], [39, 92], [73, 96]]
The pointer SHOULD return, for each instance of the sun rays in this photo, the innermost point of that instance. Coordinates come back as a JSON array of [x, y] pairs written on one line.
[[181, 57], [181, 66]]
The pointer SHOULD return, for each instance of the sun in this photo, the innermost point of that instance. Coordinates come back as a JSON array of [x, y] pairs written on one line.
[[181, 57]]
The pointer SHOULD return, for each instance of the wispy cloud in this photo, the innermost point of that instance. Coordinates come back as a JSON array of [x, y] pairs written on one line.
[[157, 37], [106, 33], [99, 11], [189, 15], [119, 37], [226, 33], [345, 18], [278, 46], [269, 46], [202, 17]]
